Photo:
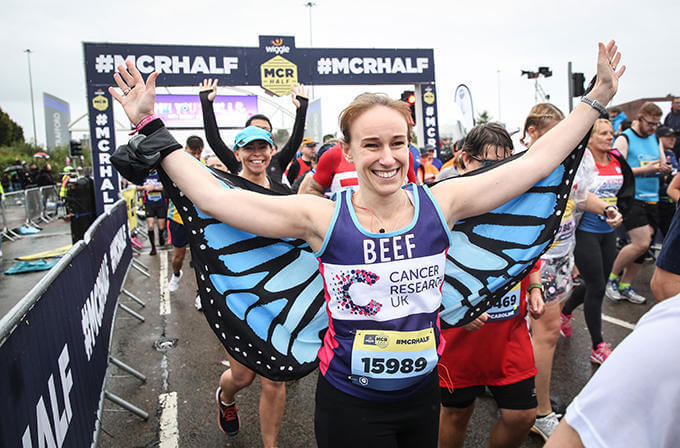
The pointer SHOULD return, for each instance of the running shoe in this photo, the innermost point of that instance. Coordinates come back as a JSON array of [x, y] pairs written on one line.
[[601, 353], [565, 325], [153, 251], [173, 284], [630, 295], [612, 290], [228, 416], [545, 426], [197, 303]]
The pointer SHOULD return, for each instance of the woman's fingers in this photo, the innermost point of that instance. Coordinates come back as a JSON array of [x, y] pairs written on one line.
[[151, 81], [117, 96], [119, 82], [122, 70], [136, 75]]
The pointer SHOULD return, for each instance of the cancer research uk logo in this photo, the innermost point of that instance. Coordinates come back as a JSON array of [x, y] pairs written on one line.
[[277, 47], [211, 65]]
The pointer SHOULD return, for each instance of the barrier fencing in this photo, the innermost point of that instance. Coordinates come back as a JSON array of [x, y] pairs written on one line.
[[55, 343], [29, 208]]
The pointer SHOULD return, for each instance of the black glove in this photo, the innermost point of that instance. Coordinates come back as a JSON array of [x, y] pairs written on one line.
[[143, 153]]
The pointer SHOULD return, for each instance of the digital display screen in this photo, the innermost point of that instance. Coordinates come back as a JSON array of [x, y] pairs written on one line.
[[184, 111]]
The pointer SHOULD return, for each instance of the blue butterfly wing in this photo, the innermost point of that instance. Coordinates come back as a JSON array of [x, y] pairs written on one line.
[[491, 253], [262, 297]]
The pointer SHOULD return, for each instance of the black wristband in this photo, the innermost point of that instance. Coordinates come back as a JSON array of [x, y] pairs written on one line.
[[152, 127]]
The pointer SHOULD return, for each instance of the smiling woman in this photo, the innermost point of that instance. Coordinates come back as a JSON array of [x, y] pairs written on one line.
[[388, 394]]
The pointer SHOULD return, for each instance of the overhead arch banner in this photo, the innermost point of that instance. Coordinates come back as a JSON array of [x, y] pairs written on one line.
[[276, 65]]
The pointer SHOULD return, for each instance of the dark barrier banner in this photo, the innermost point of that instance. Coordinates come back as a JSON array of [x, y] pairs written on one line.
[[54, 362]]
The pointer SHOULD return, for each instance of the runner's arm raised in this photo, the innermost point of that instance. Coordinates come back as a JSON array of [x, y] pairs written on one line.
[[207, 93], [470, 196], [299, 95], [277, 217]]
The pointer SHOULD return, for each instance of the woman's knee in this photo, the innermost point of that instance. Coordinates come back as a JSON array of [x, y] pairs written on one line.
[[270, 387], [546, 330], [518, 418], [240, 376]]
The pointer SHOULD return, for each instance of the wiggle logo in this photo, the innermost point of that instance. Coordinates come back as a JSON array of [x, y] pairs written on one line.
[[277, 47]]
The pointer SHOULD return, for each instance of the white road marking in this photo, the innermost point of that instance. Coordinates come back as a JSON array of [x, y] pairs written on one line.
[[619, 322], [169, 431], [165, 294]]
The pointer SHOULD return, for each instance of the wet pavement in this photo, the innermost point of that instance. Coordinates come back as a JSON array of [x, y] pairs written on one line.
[[54, 234], [189, 370]]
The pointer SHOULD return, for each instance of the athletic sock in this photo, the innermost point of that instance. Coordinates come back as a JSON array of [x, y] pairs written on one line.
[[152, 238], [623, 286], [161, 240], [613, 276]]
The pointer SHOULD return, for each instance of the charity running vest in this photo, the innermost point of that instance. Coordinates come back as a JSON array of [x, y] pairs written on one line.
[[383, 293], [641, 152]]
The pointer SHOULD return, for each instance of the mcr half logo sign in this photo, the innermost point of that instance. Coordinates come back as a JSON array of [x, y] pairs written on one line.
[[278, 75]]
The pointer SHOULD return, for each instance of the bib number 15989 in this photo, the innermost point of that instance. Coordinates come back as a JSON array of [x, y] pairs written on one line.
[[393, 365]]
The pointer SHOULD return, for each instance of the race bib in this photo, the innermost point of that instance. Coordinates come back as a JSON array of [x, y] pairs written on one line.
[[392, 360], [507, 307], [154, 196]]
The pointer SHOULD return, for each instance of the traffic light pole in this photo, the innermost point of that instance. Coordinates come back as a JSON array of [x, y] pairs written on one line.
[[570, 83]]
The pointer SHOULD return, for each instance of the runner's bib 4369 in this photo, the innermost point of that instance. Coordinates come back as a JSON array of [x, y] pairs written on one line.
[[392, 360]]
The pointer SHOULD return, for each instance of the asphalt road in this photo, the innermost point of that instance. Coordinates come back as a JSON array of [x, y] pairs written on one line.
[[190, 367], [190, 371]]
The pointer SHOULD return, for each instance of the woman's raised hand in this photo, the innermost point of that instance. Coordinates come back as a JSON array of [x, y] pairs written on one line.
[[208, 84], [299, 90], [137, 97], [607, 82]]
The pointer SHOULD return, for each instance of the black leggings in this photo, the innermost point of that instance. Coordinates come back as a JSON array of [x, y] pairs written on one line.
[[342, 420], [594, 256]]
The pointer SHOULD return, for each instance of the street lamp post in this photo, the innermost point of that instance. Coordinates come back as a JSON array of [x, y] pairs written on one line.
[[310, 5], [30, 81]]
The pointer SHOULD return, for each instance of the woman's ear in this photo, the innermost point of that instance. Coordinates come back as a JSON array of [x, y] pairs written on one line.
[[236, 153], [533, 132], [345, 151]]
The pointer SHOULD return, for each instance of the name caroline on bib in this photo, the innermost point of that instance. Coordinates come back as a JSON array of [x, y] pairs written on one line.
[[389, 249]]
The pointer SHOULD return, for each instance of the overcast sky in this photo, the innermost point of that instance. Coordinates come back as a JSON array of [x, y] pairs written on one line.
[[482, 44]]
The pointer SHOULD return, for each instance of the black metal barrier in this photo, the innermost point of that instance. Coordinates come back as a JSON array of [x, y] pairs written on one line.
[[54, 344]]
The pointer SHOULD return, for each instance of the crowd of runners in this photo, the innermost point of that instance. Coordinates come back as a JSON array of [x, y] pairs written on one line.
[[624, 193]]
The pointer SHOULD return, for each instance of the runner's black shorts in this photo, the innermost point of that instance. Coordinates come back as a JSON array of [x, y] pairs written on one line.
[[342, 420], [178, 235], [520, 395], [156, 209], [640, 214]]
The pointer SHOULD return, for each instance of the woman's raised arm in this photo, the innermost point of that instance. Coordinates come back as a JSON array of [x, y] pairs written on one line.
[[270, 216], [469, 196]]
